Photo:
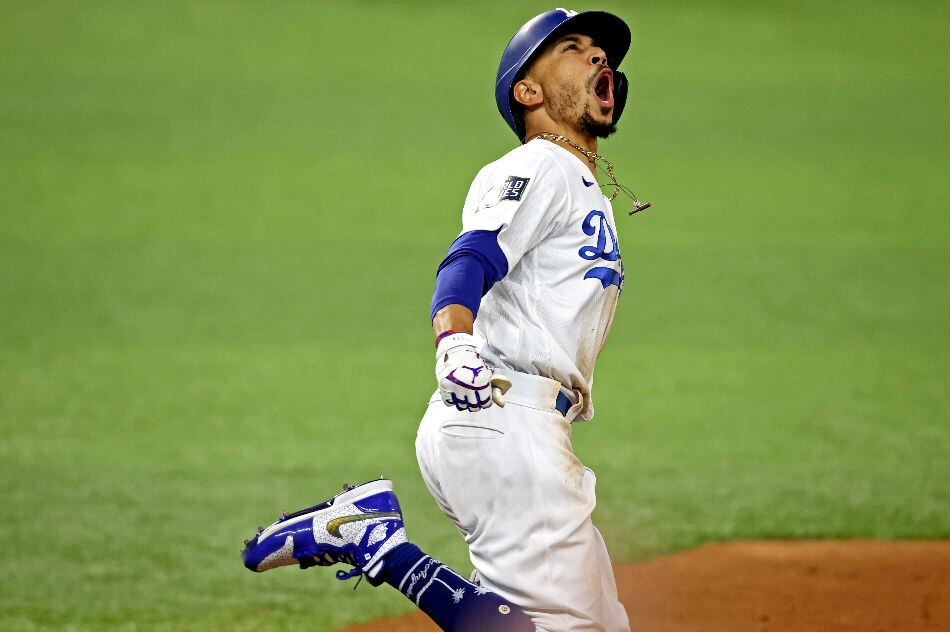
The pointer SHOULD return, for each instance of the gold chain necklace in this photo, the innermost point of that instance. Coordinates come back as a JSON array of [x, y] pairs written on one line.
[[593, 157]]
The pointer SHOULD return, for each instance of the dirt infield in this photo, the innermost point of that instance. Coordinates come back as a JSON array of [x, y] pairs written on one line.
[[779, 586]]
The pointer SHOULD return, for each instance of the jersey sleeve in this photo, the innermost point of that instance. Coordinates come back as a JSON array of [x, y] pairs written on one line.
[[522, 199]]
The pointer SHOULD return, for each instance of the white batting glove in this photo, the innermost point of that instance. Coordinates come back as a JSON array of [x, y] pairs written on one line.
[[465, 381]]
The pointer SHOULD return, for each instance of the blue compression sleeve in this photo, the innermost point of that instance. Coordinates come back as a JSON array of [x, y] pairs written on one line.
[[473, 264], [454, 603]]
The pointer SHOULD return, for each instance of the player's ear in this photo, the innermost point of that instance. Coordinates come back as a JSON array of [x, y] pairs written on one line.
[[528, 92]]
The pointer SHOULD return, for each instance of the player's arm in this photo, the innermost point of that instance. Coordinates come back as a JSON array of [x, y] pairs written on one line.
[[504, 217], [453, 318], [473, 264]]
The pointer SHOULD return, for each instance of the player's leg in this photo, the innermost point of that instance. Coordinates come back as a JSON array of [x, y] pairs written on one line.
[[454, 603], [363, 527], [510, 481]]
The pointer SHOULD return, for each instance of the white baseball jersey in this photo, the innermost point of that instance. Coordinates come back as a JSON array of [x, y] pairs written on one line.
[[550, 315]]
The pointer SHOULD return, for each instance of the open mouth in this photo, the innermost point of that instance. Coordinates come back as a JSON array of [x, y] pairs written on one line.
[[604, 89]]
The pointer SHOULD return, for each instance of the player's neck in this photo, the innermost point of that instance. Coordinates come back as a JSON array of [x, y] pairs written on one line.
[[578, 140]]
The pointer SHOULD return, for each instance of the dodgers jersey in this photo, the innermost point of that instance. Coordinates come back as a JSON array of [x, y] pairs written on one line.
[[552, 312]]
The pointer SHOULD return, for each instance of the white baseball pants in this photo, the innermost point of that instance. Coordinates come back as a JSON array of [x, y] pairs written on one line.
[[509, 479]]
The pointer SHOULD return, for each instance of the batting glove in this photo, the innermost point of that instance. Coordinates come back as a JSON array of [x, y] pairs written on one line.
[[465, 381]]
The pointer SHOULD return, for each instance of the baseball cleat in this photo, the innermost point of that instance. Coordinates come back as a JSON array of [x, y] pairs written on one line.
[[357, 527]]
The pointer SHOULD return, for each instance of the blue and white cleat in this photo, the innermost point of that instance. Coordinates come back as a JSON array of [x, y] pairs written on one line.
[[358, 527]]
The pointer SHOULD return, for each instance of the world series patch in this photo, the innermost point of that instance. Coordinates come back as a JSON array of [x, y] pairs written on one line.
[[513, 188]]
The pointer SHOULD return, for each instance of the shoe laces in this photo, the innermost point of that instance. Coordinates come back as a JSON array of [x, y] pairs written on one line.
[[346, 575], [331, 558]]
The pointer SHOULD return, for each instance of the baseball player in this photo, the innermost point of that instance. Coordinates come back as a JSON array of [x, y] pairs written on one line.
[[523, 303]]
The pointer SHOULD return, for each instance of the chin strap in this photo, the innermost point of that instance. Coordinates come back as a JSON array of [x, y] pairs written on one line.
[[620, 94]]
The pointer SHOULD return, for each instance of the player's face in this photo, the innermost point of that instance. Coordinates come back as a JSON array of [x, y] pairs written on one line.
[[578, 84]]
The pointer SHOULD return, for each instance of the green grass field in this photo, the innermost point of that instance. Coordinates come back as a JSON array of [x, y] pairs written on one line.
[[220, 220]]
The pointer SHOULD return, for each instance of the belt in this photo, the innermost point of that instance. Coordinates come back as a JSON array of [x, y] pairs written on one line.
[[533, 391], [538, 391]]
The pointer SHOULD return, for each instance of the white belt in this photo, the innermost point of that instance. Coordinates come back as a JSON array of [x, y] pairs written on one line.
[[538, 392]]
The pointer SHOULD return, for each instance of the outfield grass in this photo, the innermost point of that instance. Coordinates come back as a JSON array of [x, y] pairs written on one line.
[[219, 222]]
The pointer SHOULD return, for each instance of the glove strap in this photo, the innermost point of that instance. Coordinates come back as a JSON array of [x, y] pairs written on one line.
[[456, 340], [443, 335]]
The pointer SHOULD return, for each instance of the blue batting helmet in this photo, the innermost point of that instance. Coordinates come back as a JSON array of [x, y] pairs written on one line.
[[608, 31]]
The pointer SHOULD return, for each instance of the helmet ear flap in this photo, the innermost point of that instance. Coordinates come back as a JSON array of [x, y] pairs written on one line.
[[620, 94]]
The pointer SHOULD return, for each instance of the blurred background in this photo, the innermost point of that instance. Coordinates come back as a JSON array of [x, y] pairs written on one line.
[[219, 228]]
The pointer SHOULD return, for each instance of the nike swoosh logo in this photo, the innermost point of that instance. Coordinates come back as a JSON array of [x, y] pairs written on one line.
[[586, 184], [333, 527]]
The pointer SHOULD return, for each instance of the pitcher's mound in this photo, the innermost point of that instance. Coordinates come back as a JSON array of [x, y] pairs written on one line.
[[779, 586]]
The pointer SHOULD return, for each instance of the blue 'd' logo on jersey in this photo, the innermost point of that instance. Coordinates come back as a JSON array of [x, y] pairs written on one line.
[[607, 248]]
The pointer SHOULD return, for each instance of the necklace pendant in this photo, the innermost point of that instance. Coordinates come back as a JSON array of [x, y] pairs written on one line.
[[640, 206]]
